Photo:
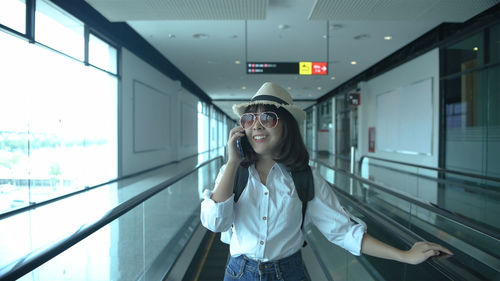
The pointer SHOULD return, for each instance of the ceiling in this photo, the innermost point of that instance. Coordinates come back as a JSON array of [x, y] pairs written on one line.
[[210, 41]]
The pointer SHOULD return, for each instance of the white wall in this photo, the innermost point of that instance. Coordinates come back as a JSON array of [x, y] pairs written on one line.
[[154, 128], [421, 68], [396, 81]]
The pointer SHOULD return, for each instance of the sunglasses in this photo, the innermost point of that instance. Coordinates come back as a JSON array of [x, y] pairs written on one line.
[[266, 119]]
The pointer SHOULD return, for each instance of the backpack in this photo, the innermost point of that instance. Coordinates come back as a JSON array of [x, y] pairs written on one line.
[[303, 181]]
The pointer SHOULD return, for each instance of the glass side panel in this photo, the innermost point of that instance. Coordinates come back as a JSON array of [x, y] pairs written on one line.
[[102, 55], [476, 252], [59, 30], [142, 244], [13, 14]]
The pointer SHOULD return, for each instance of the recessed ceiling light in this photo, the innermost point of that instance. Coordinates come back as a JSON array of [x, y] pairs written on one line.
[[333, 77], [387, 37], [200, 36], [475, 49], [237, 62], [319, 88], [244, 87], [354, 62], [289, 88]]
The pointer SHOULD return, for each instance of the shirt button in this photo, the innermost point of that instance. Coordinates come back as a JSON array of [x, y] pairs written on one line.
[[265, 193], [264, 218], [262, 242]]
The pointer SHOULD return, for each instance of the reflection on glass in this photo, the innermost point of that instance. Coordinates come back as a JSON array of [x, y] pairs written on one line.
[[102, 55], [13, 14], [464, 55], [59, 30]]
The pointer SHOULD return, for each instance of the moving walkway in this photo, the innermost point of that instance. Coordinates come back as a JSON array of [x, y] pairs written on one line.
[[146, 227]]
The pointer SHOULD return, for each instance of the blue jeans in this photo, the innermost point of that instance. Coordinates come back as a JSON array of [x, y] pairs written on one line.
[[243, 268]]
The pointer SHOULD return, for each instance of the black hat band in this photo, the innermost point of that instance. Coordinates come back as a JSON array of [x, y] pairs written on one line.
[[269, 98]]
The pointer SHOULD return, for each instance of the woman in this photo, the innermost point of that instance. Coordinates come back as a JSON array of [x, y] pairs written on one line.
[[264, 225]]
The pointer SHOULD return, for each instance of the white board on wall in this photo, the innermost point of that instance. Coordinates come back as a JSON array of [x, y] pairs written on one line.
[[151, 118], [404, 119]]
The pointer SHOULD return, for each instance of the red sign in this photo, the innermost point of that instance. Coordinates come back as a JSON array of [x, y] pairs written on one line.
[[319, 68], [355, 99]]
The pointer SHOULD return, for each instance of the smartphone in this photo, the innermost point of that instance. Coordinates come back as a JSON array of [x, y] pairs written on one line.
[[242, 144]]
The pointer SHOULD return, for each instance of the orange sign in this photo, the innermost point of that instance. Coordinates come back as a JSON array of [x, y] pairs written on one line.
[[319, 68]]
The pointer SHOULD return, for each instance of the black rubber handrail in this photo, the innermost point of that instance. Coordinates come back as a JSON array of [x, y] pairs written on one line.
[[442, 212], [404, 235], [429, 168], [87, 188], [38, 257]]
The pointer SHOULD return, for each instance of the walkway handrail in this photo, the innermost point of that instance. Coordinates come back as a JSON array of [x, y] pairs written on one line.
[[404, 235], [87, 188], [445, 213], [38, 257], [428, 168]]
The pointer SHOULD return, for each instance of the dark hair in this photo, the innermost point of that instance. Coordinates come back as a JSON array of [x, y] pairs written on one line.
[[292, 151]]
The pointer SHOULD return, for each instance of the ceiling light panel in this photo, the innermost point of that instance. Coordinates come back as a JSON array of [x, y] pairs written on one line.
[[126, 10], [407, 10]]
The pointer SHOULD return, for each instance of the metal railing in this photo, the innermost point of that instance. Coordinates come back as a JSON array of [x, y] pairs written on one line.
[[445, 171]]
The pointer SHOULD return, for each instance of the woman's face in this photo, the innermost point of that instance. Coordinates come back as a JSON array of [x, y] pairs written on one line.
[[264, 140]]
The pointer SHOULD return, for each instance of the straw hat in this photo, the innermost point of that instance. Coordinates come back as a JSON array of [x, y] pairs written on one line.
[[270, 93]]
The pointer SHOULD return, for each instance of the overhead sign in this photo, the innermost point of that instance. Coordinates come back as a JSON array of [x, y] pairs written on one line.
[[302, 68]]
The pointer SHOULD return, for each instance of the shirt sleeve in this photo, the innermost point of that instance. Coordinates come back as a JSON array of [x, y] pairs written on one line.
[[216, 217], [326, 213]]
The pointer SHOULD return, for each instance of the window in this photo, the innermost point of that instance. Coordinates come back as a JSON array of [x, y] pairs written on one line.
[[102, 55], [58, 30], [13, 14], [471, 99], [465, 55], [494, 48], [58, 117], [203, 127]]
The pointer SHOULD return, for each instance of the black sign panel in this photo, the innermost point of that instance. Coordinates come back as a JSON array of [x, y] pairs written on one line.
[[272, 68]]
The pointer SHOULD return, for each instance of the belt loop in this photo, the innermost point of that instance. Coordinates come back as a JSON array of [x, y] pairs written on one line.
[[278, 270], [259, 269]]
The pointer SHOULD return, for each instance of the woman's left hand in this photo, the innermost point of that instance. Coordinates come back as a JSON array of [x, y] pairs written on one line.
[[421, 251]]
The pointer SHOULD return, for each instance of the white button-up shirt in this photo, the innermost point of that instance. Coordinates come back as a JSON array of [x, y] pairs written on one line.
[[265, 222]]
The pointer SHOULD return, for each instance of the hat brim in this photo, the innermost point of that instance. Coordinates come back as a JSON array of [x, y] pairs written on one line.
[[297, 113]]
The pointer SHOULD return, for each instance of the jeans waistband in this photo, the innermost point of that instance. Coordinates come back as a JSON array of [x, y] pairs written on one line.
[[294, 258]]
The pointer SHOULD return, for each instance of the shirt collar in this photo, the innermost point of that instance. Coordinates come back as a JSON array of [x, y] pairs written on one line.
[[281, 167]]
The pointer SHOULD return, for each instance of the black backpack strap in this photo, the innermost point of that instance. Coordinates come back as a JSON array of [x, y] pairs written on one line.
[[240, 182], [304, 184]]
